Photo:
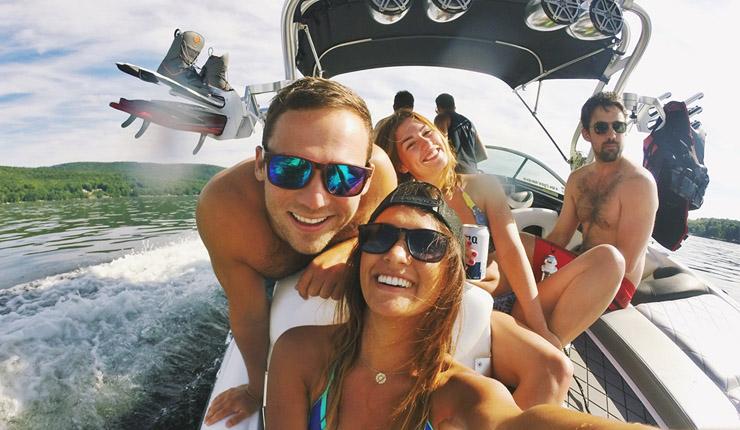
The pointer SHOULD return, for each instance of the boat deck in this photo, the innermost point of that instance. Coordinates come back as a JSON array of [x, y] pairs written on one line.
[[606, 393]]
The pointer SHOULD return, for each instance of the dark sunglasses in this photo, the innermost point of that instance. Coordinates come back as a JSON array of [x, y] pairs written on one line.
[[602, 127], [423, 244], [292, 173]]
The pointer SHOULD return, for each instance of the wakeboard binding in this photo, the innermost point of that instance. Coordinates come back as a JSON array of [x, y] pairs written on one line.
[[213, 73], [179, 63]]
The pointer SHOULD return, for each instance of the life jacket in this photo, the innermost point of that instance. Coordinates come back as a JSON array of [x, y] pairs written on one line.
[[674, 154]]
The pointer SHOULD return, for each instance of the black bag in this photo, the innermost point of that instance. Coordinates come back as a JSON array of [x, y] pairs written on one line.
[[674, 154]]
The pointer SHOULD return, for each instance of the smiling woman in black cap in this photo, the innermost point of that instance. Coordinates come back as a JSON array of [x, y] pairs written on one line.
[[389, 365]]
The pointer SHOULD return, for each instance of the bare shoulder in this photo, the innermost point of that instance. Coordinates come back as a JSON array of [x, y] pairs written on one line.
[[482, 187], [643, 174], [442, 121], [306, 349], [236, 180], [638, 176], [229, 207], [465, 385], [579, 173], [462, 393], [309, 340], [384, 175], [297, 367]]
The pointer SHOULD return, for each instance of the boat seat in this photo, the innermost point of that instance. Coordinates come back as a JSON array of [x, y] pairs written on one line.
[[543, 218], [520, 199], [669, 283], [707, 329], [540, 222], [665, 379], [473, 348]]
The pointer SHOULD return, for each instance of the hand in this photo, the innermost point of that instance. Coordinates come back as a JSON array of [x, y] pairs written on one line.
[[324, 276], [470, 254], [239, 401]]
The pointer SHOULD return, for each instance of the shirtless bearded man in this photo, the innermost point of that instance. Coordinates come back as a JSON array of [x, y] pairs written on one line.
[[316, 177], [613, 198]]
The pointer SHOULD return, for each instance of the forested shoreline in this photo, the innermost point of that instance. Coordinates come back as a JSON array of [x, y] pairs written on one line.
[[131, 179], [724, 229], [99, 180]]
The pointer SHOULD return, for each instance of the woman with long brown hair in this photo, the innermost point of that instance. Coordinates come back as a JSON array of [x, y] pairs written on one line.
[[389, 364], [535, 321]]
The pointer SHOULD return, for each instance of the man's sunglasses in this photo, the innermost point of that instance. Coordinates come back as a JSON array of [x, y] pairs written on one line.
[[602, 127], [423, 244], [292, 173]]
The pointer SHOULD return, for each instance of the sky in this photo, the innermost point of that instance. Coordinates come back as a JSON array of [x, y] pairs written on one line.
[[58, 74]]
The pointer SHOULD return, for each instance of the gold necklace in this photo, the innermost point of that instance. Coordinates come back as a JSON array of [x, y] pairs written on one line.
[[380, 377]]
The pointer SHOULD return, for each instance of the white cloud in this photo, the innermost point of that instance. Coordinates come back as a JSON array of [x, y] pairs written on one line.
[[58, 76]]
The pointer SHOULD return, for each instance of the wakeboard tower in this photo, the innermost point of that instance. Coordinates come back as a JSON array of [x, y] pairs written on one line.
[[218, 111]]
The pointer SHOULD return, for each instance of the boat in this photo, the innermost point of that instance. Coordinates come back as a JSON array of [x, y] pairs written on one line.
[[669, 359]]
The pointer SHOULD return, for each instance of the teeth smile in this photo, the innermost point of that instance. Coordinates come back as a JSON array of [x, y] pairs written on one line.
[[309, 220], [394, 281], [431, 155]]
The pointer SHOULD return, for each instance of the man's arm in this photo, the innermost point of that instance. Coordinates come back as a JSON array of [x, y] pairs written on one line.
[[639, 203], [480, 148], [567, 223], [249, 321], [219, 225], [442, 121]]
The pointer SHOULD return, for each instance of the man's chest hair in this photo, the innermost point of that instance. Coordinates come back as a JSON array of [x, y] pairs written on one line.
[[596, 199]]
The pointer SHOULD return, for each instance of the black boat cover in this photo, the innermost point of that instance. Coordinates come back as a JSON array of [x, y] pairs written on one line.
[[491, 37]]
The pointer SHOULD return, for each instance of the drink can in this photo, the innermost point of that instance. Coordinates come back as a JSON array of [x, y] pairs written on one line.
[[477, 235]]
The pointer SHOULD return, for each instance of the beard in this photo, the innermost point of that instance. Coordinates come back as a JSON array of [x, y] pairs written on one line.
[[608, 155]]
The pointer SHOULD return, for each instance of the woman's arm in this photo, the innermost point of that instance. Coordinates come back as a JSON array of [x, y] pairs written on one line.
[[467, 400], [512, 257]]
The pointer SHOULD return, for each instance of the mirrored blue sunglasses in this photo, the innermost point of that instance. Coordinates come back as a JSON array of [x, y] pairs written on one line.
[[292, 173]]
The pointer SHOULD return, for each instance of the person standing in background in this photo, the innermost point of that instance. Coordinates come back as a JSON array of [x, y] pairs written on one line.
[[461, 134]]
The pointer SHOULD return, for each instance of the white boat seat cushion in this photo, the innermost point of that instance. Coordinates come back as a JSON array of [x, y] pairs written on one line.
[[289, 309], [707, 329]]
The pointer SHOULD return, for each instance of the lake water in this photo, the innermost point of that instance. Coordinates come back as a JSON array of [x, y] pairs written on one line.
[[111, 317]]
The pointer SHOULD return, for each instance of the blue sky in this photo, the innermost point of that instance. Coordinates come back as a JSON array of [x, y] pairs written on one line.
[[58, 74]]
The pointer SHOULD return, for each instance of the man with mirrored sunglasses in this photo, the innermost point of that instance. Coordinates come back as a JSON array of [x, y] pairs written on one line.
[[296, 205], [613, 199]]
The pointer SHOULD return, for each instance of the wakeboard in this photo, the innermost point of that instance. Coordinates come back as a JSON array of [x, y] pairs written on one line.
[[147, 75], [179, 116]]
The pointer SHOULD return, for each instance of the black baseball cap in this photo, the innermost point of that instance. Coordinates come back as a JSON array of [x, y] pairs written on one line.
[[427, 197]]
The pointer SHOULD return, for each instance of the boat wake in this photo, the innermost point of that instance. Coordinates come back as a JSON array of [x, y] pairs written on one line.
[[130, 343]]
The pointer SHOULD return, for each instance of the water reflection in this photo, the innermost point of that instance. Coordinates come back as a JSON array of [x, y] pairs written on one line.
[[45, 238]]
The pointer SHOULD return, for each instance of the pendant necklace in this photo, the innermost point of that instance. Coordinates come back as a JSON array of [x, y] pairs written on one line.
[[380, 377]]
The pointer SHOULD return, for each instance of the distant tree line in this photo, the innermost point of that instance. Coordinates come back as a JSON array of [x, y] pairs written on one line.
[[727, 230], [96, 180]]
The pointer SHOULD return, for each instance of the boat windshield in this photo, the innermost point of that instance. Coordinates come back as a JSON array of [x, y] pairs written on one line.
[[522, 168]]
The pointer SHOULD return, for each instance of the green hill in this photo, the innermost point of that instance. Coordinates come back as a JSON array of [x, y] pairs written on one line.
[[91, 179]]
